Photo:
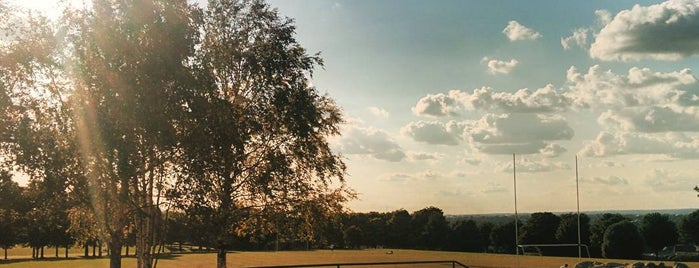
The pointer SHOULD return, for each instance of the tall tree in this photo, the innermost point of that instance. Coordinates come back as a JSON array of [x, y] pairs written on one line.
[[598, 228], [689, 227], [658, 231], [128, 69], [12, 205], [430, 228], [622, 241], [567, 232], [540, 228], [503, 237], [255, 140]]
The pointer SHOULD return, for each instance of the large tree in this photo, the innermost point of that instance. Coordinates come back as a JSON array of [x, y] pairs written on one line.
[[254, 143], [540, 228], [658, 231], [689, 227], [12, 205], [598, 228], [567, 232], [622, 241]]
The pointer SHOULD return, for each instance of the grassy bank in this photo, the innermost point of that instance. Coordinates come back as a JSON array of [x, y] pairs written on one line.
[[244, 259]]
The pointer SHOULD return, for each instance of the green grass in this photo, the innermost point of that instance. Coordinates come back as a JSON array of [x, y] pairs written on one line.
[[243, 259]]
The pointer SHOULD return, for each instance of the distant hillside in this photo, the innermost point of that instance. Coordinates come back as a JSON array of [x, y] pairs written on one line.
[[498, 218]]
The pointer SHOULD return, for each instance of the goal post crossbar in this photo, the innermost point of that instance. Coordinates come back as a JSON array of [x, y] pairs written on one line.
[[587, 249]]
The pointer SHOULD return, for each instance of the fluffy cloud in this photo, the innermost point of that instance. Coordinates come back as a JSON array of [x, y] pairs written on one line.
[[517, 129], [674, 144], [639, 87], [543, 100], [499, 66], [652, 119], [662, 180], [527, 165], [439, 105], [552, 150], [610, 181], [665, 31], [433, 132], [379, 112], [424, 156], [579, 38], [496, 133], [515, 31], [369, 141]]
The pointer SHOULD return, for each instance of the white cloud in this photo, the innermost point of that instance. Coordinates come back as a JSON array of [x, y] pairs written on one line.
[[526, 165], [665, 31], [662, 180], [579, 39], [639, 87], [433, 132], [652, 119], [473, 161], [542, 100], [379, 112], [673, 144], [499, 66], [438, 105], [425, 156], [610, 180], [518, 128], [604, 17], [516, 31], [369, 141], [552, 150], [492, 188]]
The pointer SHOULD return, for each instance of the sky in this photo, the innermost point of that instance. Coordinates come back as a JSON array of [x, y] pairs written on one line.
[[439, 95]]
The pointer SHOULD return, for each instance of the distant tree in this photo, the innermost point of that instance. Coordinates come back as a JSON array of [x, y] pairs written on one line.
[[430, 228], [399, 233], [658, 231], [540, 228], [83, 227], [12, 205], [622, 241], [598, 229], [689, 228], [567, 232], [465, 236], [354, 236], [485, 229], [503, 238]]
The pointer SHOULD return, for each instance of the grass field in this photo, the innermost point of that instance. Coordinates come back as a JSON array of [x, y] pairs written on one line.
[[245, 259]]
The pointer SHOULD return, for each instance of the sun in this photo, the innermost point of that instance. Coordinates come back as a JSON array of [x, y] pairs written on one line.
[[50, 8]]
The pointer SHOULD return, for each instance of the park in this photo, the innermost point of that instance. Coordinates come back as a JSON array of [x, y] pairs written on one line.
[[192, 133]]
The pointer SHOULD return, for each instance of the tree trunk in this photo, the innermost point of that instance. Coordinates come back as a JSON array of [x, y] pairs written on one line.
[[42, 252], [94, 254], [56, 252], [5, 248], [127, 250], [67, 251], [99, 247], [221, 258], [115, 256]]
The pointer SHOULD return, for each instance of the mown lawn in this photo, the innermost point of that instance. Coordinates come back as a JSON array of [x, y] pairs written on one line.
[[244, 259]]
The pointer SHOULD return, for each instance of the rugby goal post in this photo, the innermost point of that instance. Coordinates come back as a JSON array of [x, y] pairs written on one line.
[[524, 247]]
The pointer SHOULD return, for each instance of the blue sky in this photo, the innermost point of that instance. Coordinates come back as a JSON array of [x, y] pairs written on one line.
[[437, 96], [392, 64]]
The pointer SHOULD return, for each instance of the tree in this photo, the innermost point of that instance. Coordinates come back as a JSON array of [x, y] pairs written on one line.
[[689, 227], [503, 238], [567, 232], [598, 229], [11, 205], [354, 236], [465, 236], [622, 241], [485, 229], [430, 228], [266, 127], [658, 231], [399, 230], [540, 228]]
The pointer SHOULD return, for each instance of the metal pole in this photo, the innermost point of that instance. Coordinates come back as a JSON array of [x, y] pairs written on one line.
[[514, 175], [577, 193]]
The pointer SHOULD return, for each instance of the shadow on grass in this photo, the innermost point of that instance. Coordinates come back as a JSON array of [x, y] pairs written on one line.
[[161, 256]]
